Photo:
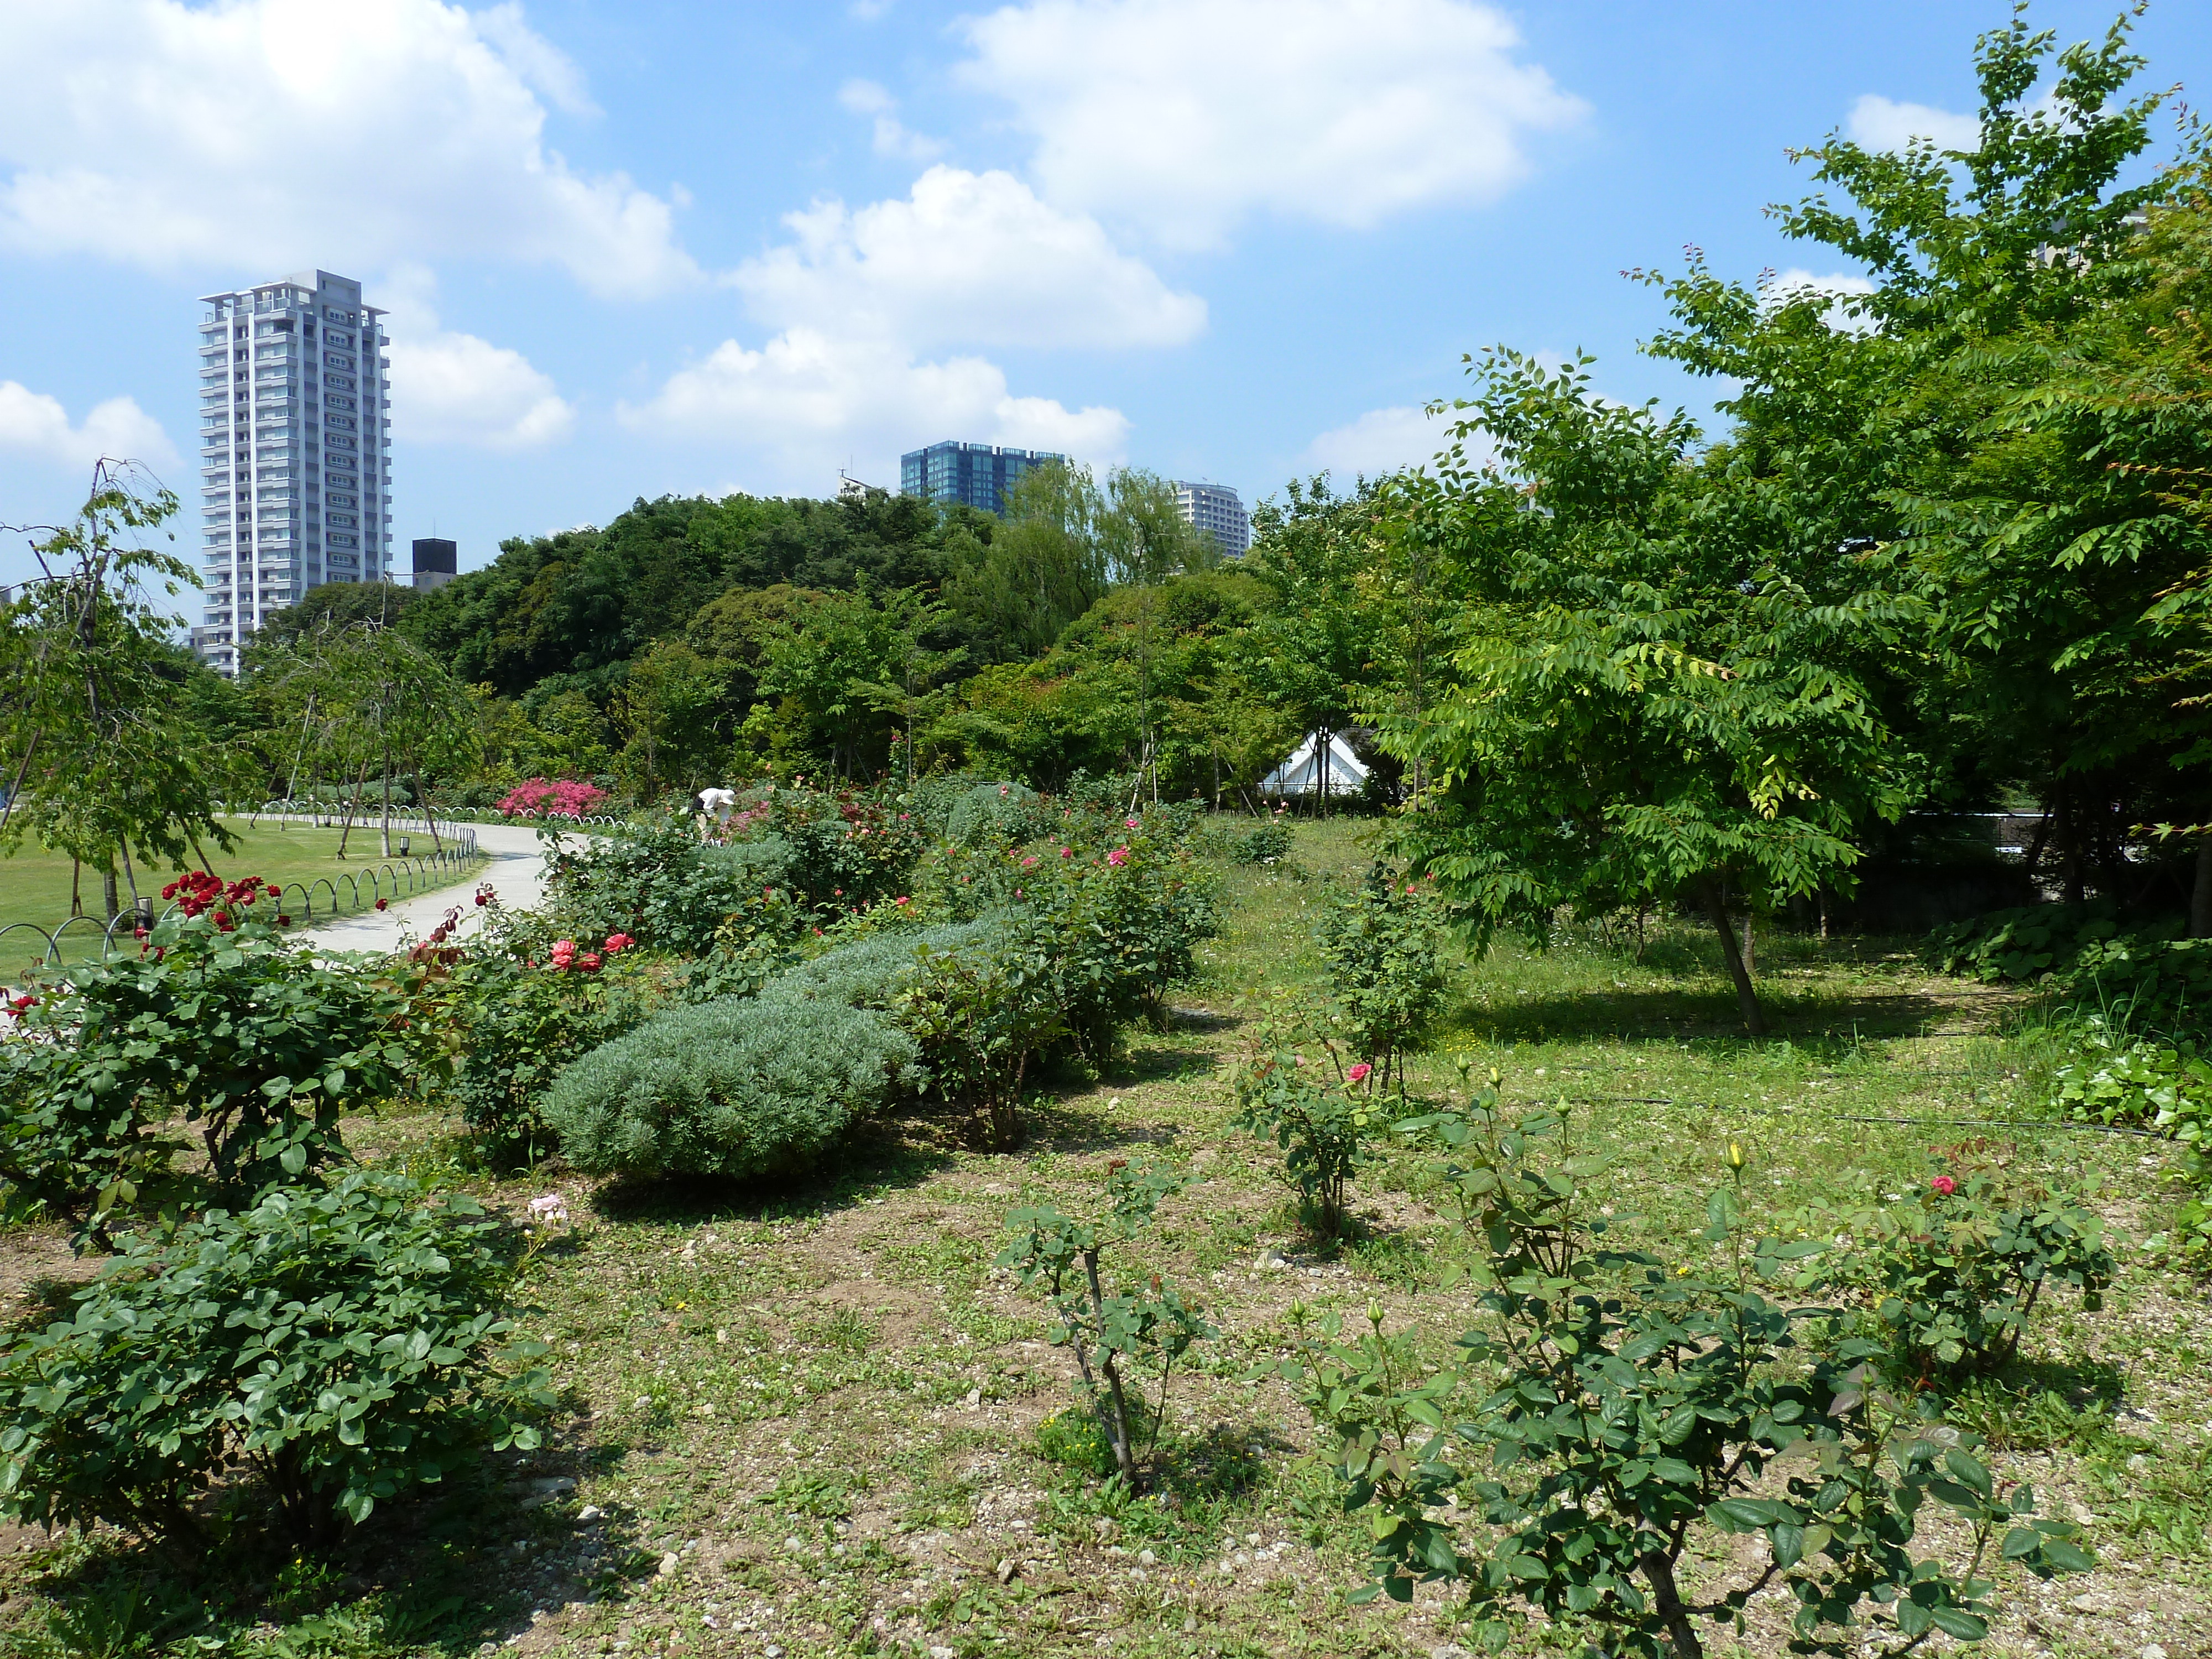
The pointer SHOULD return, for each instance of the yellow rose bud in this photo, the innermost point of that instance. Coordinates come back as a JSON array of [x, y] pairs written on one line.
[[1735, 1159]]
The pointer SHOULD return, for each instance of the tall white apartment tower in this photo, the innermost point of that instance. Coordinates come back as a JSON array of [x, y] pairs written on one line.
[[296, 426], [1215, 509]]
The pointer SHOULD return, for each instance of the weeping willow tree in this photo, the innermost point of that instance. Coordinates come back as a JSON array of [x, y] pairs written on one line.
[[102, 760], [359, 700]]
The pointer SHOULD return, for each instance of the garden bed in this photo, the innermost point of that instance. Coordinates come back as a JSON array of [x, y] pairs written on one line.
[[809, 1421]]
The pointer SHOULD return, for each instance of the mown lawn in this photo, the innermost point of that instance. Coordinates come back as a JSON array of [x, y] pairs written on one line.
[[35, 884], [808, 1422]]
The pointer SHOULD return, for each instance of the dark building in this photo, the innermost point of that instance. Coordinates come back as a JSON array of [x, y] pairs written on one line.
[[436, 560], [978, 474]]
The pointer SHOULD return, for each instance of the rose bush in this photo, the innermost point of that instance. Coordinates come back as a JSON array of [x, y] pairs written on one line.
[[341, 1345], [217, 1022]]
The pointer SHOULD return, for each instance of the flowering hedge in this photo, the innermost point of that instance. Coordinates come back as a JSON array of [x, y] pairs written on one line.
[[561, 797]]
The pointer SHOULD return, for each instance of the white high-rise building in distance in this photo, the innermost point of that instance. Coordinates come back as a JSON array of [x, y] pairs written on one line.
[[295, 451], [1216, 510]]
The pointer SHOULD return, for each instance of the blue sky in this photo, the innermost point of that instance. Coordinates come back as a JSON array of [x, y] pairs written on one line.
[[645, 247]]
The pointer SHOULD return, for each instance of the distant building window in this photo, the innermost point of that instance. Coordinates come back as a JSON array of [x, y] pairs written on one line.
[[337, 402], [340, 538]]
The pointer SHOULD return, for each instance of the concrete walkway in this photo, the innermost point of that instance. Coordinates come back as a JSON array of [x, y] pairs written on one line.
[[515, 867]]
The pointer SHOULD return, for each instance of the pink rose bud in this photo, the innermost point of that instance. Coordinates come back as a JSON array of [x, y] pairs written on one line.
[[1944, 1185]]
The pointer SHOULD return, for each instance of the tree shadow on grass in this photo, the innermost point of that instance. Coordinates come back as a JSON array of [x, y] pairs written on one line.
[[1219, 1465], [1083, 1124], [423, 1573], [880, 1155], [1703, 1017]]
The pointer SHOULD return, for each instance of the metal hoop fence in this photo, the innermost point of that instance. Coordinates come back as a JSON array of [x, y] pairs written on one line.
[[345, 893], [286, 810]]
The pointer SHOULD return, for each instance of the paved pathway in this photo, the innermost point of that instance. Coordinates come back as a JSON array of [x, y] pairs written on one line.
[[514, 866]]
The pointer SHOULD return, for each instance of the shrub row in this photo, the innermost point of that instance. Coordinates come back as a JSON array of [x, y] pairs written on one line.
[[290, 1338], [962, 989]]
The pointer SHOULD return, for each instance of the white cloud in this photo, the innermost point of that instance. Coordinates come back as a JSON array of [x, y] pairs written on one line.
[[258, 135], [537, 61], [38, 425], [1180, 116], [815, 401], [1381, 440], [891, 138], [1782, 286], [458, 388], [1879, 123], [967, 258]]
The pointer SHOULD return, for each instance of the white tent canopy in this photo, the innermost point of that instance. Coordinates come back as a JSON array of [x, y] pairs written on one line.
[[1314, 768]]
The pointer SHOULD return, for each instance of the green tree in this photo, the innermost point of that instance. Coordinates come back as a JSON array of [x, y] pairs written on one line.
[[1656, 692], [671, 714], [1043, 568], [360, 698], [852, 675], [1954, 424], [1322, 650], [101, 761]]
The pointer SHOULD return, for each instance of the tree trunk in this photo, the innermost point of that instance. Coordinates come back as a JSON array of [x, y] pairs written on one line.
[[346, 832], [1125, 1452], [1754, 1021], [2200, 895], [107, 883], [388, 797], [429, 822], [77, 896], [1667, 1602], [2069, 840]]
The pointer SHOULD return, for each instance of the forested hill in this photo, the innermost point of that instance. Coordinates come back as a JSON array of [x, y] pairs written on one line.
[[579, 601]]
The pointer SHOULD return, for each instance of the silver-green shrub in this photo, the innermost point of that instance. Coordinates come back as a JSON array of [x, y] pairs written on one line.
[[743, 1087]]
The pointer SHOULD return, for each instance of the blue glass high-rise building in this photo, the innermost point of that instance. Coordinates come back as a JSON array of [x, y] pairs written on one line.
[[978, 474]]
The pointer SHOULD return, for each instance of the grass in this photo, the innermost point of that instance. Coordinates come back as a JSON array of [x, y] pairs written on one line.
[[817, 1421], [35, 884]]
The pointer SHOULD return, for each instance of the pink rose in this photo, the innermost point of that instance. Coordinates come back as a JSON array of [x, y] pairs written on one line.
[[1129, 823], [616, 942], [1118, 857], [589, 961], [1360, 1071], [1944, 1186]]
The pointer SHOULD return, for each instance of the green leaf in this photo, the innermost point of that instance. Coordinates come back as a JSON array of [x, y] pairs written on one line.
[[1956, 1621], [2060, 1556]]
